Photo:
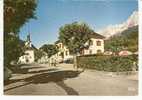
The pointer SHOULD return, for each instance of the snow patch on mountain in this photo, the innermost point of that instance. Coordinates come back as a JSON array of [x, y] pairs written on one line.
[[111, 30]]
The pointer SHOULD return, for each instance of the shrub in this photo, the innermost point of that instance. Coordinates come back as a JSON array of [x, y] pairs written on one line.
[[107, 63]]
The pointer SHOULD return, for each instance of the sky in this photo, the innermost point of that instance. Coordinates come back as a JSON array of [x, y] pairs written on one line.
[[52, 14]]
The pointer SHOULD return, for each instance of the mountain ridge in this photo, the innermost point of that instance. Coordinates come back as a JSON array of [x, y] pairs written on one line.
[[111, 30]]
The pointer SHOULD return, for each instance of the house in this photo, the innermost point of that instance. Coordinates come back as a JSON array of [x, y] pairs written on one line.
[[94, 46], [63, 53], [28, 56]]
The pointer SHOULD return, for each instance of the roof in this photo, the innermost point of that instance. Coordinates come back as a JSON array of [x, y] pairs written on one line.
[[58, 41], [96, 36], [31, 48]]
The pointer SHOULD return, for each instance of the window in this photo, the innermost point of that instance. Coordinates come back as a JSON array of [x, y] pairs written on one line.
[[90, 51], [60, 46], [82, 52], [66, 53], [90, 42], [99, 51], [27, 60], [27, 54], [98, 43]]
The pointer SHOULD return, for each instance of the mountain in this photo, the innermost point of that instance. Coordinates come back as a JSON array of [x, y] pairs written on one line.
[[118, 28], [128, 39]]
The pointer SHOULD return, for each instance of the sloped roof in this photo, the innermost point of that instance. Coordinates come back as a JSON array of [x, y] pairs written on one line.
[[58, 41], [96, 36], [31, 48]]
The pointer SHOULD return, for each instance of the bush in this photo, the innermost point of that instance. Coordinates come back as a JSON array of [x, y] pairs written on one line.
[[107, 63], [7, 73]]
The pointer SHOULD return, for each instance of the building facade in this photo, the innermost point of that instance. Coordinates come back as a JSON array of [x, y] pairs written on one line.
[[63, 53], [94, 45], [28, 56]]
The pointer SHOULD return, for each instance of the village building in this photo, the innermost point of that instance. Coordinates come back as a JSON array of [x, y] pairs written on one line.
[[94, 46], [28, 56], [63, 53]]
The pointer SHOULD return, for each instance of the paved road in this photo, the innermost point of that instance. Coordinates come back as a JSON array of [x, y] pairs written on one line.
[[64, 80]]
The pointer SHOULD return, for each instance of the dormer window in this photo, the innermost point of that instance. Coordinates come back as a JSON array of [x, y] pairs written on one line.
[[98, 43]]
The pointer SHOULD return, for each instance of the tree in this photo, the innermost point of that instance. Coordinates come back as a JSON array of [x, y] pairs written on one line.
[[16, 14], [128, 39], [13, 48], [50, 49], [38, 54], [73, 36], [114, 44]]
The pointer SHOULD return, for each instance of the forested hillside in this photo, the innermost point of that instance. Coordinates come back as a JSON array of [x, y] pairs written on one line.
[[127, 40]]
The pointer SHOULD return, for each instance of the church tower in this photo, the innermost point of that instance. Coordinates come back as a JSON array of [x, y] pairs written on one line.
[[28, 42], [28, 56]]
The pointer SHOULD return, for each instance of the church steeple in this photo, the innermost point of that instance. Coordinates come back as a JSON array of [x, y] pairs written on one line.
[[28, 41], [29, 38]]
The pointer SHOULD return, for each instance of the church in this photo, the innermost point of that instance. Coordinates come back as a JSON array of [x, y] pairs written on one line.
[[29, 56]]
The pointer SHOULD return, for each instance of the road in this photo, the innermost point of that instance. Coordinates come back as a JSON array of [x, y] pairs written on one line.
[[40, 79]]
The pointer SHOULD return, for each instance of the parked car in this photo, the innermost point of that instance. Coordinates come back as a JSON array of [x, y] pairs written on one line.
[[125, 53], [59, 60], [68, 61]]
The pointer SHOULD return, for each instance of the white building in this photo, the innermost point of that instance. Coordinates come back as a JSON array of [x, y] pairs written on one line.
[[63, 53], [94, 46], [28, 56]]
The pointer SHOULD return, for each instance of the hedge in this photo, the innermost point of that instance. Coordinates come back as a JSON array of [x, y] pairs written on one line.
[[107, 63]]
